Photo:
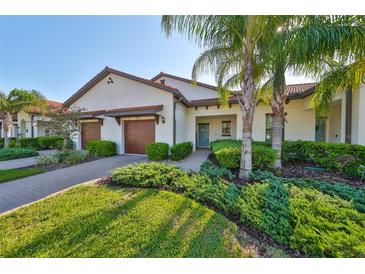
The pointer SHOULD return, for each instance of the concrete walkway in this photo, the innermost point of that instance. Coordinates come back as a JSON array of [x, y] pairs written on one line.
[[194, 161], [23, 191], [24, 162]]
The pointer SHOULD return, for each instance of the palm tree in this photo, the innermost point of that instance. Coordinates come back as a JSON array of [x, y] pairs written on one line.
[[233, 52], [16, 101], [302, 44]]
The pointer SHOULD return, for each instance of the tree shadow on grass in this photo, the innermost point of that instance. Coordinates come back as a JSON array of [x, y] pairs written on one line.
[[65, 239]]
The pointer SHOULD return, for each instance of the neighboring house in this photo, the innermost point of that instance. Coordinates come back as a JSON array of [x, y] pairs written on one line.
[[31, 123], [133, 112]]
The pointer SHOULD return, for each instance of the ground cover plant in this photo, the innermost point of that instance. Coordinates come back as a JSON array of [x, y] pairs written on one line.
[[15, 153], [12, 174], [63, 157], [302, 217], [103, 221]]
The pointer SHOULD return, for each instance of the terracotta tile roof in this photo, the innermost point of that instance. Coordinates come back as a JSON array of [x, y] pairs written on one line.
[[299, 91], [50, 104], [106, 71]]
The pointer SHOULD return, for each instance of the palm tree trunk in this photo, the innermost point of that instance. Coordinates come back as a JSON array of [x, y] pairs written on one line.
[[8, 124], [247, 102], [278, 117]]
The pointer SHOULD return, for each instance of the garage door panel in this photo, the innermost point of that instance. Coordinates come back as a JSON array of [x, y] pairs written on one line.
[[90, 131], [138, 134]]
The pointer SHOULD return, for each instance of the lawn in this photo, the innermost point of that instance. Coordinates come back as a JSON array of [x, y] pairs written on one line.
[[12, 174], [103, 221]]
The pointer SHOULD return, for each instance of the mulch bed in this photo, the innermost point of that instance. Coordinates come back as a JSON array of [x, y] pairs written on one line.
[[300, 170]]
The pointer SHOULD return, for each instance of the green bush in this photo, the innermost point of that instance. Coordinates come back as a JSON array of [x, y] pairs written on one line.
[[181, 151], [69, 145], [303, 218], [29, 143], [262, 157], [194, 185], [157, 151], [225, 143], [47, 160], [15, 153], [12, 143], [101, 148], [75, 157], [215, 172], [48, 142], [344, 191], [228, 157]]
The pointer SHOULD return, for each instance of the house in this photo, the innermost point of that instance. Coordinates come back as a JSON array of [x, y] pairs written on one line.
[[133, 112], [31, 123]]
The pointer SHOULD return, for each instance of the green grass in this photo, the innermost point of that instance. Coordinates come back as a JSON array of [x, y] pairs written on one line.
[[12, 174], [100, 221]]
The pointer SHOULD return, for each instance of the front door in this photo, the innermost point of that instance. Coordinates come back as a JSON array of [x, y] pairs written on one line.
[[320, 130], [203, 135]]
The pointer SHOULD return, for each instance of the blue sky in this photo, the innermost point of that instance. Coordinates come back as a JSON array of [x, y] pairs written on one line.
[[58, 54]]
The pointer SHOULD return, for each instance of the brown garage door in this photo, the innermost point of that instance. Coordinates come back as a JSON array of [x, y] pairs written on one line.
[[138, 134], [90, 131]]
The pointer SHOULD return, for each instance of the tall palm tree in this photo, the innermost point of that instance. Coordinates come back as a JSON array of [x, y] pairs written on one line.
[[14, 102], [232, 50], [302, 44]]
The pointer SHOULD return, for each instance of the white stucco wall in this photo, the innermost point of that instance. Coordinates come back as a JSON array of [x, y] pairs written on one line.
[[334, 124], [358, 116], [215, 126], [181, 126], [124, 93], [189, 91]]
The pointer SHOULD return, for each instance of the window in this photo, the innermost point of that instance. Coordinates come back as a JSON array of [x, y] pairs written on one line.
[[226, 128], [268, 128]]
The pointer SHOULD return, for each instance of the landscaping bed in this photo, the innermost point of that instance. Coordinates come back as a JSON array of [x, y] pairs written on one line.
[[103, 221]]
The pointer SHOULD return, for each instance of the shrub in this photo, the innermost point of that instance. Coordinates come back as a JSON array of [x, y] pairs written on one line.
[[12, 142], [47, 160], [343, 157], [262, 157], [228, 157], [15, 153], [194, 185], [157, 151], [181, 151], [69, 145], [29, 143], [306, 219], [225, 143], [101, 148], [75, 157], [215, 172], [47, 142]]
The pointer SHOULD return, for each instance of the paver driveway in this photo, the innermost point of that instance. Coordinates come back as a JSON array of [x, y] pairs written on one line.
[[30, 189]]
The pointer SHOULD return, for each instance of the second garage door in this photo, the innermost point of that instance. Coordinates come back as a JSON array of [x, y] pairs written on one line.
[[90, 131], [138, 134]]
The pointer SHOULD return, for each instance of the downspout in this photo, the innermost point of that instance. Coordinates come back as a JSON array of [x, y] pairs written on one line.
[[348, 126]]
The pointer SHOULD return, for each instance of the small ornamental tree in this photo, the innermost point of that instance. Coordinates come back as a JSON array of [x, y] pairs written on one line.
[[64, 121]]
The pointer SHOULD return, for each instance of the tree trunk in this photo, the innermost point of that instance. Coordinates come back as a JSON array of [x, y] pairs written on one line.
[[246, 148], [277, 137], [8, 124], [278, 117]]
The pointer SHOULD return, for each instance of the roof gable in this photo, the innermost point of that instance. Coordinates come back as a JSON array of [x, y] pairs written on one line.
[[106, 71]]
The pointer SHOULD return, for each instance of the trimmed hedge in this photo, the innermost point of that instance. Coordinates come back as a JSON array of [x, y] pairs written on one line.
[[29, 143], [181, 151], [15, 153], [47, 142], [229, 157], [303, 218], [101, 148], [346, 158], [157, 151], [69, 145]]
